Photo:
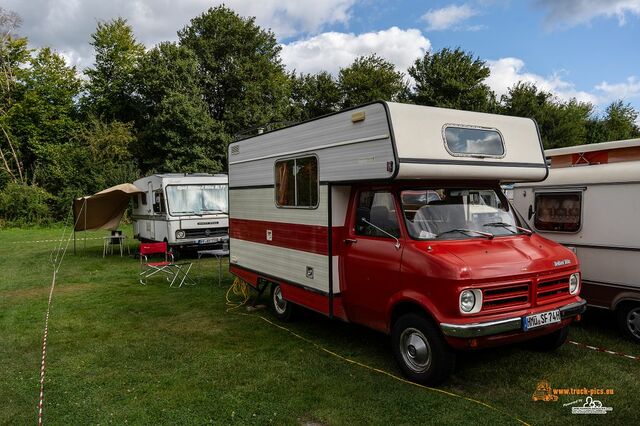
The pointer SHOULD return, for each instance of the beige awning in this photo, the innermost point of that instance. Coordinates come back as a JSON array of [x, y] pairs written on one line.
[[104, 209]]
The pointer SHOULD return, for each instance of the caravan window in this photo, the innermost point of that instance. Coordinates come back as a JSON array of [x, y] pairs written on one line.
[[143, 198], [558, 211], [473, 141], [297, 182]]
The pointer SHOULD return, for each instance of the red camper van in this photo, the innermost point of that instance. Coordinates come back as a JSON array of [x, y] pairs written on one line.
[[391, 216]]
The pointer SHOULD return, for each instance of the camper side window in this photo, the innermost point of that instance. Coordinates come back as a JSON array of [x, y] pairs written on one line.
[[135, 202], [158, 202], [473, 141], [143, 198], [297, 182], [558, 211]]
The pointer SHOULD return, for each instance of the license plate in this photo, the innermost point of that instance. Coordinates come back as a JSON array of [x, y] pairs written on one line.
[[540, 320], [209, 240]]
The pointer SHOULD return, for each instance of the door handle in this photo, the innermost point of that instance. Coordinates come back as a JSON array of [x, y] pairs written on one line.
[[350, 241]]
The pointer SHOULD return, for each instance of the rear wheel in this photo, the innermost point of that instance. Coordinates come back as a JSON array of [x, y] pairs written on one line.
[[550, 342], [283, 309], [629, 320], [420, 349]]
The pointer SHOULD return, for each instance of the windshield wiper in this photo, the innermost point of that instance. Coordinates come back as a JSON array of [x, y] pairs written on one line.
[[466, 232], [509, 225]]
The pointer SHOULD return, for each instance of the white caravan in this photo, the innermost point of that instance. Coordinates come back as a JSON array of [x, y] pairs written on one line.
[[591, 203], [188, 211]]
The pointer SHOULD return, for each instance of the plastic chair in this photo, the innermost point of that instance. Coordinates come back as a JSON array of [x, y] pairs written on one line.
[[172, 270]]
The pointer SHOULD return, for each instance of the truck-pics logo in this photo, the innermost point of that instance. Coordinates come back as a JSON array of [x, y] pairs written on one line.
[[562, 262]]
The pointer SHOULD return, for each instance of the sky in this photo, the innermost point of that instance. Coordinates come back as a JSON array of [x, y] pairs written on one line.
[[584, 49]]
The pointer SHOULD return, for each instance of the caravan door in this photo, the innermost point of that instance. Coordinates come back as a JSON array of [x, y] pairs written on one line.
[[372, 257], [151, 223]]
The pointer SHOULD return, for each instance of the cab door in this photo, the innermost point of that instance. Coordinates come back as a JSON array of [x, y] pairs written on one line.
[[372, 256]]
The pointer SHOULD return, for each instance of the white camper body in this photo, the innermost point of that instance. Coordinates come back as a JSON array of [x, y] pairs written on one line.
[[591, 203], [186, 210], [377, 142]]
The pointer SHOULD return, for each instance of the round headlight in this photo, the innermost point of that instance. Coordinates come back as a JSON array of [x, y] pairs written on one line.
[[180, 234], [467, 301], [574, 283]]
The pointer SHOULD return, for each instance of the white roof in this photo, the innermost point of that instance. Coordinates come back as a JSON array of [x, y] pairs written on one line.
[[623, 172], [627, 143]]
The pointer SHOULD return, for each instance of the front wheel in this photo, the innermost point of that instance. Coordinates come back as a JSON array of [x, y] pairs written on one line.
[[420, 350], [629, 320], [283, 309]]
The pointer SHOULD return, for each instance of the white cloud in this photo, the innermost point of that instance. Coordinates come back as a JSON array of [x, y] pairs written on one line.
[[332, 50], [626, 90], [569, 13], [448, 17], [66, 25], [506, 72]]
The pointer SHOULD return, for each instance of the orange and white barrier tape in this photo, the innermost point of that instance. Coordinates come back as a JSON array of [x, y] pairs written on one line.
[[606, 351]]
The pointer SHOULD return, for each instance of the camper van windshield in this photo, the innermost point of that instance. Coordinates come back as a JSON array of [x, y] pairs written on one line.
[[196, 199], [458, 213]]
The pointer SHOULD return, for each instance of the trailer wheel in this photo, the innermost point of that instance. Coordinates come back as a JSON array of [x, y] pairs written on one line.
[[283, 309], [420, 350], [550, 342], [629, 320]]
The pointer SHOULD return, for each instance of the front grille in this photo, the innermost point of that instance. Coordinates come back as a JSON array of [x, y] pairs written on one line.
[[206, 232], [510, 296], [552, 289]]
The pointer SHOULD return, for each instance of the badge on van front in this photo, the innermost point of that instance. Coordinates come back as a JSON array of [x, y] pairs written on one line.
[[562, 262]]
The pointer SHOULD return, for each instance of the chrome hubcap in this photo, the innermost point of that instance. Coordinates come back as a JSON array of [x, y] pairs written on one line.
[[633, 322], [415, 350], [278, 301]]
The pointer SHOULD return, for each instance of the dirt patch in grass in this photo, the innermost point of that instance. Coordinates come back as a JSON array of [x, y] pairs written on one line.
[[37, 292]]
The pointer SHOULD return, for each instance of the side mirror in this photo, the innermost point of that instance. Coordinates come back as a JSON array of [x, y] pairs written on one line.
[[531, 212]]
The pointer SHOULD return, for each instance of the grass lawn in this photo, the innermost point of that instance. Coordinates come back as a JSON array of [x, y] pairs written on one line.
[[120, 352]]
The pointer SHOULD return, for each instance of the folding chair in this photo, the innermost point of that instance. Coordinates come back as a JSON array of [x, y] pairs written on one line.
[[168, 267]]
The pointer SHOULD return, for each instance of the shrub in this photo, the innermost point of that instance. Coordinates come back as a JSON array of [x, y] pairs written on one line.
[[22, 205]]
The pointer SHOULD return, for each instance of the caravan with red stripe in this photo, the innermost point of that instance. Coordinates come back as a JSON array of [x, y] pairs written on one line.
[[392, 216]]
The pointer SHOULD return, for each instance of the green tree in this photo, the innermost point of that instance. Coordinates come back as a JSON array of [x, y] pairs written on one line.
[[45, 112], [313, 95], [242, 78], [560, 123], [452, 79], [177, 134], [370, 78], [14, 57], [111, 80], [618, 123]]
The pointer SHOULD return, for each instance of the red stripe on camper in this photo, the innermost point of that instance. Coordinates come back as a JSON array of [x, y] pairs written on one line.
[[309, 238]]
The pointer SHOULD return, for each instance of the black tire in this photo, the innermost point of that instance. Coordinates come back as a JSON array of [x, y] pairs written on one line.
[[550, 342], [420, 350], [628, 315], [283, 309]]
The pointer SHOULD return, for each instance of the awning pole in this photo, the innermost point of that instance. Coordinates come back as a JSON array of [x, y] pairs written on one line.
[[85, 227]]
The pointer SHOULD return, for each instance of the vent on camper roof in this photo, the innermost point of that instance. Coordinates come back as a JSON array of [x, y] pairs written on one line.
[[235, 150]]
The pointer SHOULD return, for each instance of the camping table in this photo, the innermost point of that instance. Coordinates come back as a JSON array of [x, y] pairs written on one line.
[[108, 242], [219, 254]]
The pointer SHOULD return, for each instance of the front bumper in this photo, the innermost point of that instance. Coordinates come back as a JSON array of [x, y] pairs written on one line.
[[480, 329]]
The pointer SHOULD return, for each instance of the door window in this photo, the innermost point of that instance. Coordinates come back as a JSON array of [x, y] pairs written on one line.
[[158, 202], [376, 215]]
